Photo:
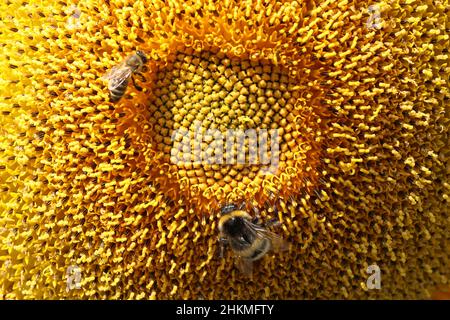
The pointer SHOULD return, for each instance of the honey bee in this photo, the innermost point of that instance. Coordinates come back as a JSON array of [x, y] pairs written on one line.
[[119, 76], [248, 238]]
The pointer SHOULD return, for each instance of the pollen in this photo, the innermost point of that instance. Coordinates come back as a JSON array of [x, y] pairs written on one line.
[[330, 117]]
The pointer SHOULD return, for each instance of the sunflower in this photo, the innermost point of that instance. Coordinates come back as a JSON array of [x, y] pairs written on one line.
[[121, 200]]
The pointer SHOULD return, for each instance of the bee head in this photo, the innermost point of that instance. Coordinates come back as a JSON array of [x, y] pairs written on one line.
[[233, 227], [142, 56]]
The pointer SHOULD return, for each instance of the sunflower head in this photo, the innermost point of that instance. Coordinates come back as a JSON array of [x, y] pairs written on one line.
[[330, 116]]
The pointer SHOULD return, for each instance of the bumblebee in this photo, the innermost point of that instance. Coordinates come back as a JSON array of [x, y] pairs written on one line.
[[119, 76], [248, 238]]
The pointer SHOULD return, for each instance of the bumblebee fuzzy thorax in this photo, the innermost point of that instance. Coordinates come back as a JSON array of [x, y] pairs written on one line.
[[233, 226], [233, 221]]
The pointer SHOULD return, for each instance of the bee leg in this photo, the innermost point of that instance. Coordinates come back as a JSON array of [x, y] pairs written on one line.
[[222, 243], [257, 217], [272, 223], [139, 88], [254, 208], [140, 75], [257, 220]]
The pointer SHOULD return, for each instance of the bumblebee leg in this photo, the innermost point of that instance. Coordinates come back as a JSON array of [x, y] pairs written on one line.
[[272, 223], [222, 243], [254, 208], [258, 221], [139, 88]]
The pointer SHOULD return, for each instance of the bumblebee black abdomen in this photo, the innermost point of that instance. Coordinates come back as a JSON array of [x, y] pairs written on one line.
[[118, 92]]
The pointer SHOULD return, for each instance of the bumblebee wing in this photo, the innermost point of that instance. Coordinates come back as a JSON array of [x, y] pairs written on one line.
[[245, 266], [117, 75], [277, 242]]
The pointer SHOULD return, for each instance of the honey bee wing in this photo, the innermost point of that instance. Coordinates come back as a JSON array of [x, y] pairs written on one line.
[[110, 73], [245, 266], [117, 75]]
